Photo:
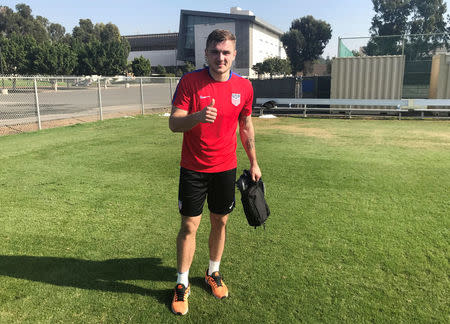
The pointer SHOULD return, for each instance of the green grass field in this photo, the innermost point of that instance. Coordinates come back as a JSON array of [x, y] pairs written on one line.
[[28, 83], [359, 230]]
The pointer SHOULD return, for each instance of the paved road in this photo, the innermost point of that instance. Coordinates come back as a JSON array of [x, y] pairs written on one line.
[[78, 101]]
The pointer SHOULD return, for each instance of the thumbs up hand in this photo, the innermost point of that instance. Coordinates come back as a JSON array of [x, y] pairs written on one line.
[[209, 113]]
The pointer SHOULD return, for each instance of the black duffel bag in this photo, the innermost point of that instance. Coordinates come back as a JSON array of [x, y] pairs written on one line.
[[252, 196]]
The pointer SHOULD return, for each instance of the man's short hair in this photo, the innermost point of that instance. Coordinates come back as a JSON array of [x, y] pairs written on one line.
[[218, 36]]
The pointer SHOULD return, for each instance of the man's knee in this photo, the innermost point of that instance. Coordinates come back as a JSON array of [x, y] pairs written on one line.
[[189, 225], [218, 221]]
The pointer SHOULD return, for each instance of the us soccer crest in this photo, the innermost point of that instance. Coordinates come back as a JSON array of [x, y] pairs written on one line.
[[236, 99]]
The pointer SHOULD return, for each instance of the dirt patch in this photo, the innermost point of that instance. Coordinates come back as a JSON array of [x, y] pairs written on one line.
[[422, 139], [297, 130], [445, 136], [45, 124], [14, 129]]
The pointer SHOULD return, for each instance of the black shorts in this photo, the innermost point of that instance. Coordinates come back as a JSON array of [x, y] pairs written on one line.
[[196, 186]]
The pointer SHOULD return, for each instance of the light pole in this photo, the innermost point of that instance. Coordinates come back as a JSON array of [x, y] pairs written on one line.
[[3, 36], [1, 65], [1, 61], [1, 58]]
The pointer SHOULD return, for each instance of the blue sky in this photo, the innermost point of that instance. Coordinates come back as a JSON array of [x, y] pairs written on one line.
[[347, 18]]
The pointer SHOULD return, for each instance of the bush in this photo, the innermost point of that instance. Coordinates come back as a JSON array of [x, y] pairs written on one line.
[[161, 70], [141, 66]]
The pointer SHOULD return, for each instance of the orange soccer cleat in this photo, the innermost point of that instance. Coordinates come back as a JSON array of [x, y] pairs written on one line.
[[180, 299], [218, 287]]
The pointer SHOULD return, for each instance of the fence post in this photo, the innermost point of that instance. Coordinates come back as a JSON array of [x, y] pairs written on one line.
[[171, 93], [142, 98], [100, 99], [36, 99], [403, 44], [339, 46]]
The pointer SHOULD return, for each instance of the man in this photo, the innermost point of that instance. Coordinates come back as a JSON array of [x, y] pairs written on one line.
[[207, 106]]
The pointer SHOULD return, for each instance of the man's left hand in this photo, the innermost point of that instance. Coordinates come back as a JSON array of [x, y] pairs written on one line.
[[255, 172]]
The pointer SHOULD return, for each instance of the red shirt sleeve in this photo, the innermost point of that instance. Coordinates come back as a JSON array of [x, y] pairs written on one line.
[[183, 95], [248, 105]]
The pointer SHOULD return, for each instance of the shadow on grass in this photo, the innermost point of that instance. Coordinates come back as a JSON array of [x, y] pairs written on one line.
[[93, 275], [199, 282]]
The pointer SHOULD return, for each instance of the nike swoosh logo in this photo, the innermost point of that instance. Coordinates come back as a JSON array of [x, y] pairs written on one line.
[[203, 97]]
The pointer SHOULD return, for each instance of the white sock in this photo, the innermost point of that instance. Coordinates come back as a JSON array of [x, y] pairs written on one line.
[[213, 266], [183, 278]]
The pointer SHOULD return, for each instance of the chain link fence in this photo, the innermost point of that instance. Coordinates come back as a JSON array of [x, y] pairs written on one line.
[[33, 103]]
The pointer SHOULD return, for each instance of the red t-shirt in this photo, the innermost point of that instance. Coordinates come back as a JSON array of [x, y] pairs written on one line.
[[211, 147]]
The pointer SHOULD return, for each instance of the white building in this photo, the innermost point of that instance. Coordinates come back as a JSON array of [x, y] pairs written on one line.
[[256, 40]]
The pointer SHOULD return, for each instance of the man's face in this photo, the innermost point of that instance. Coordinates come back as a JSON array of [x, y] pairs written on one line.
[[220, 56]]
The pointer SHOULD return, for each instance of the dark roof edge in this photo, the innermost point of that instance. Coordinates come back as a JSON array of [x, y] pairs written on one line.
[[253, 19], [152, 35]]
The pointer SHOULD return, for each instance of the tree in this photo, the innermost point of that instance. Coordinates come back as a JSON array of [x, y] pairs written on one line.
[[258, 68], [42, 22], [21, 54], [407, 17], [22, 22], [113, 58], [6, 19], [189, 67], [35, 45], [56, 32], [269, 66], [84, 32], [284, 67], [86, 54], [54, 59], [160, 70], [64, 57], [100, 49], [18, 54], [24, 11], [179, 72], [96, 57], [107, 33], [305, 41], [427, 17], [273, 66], [141, 66]]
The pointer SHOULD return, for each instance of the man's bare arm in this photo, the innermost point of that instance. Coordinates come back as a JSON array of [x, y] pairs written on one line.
[[247, 134], [181, 121]]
